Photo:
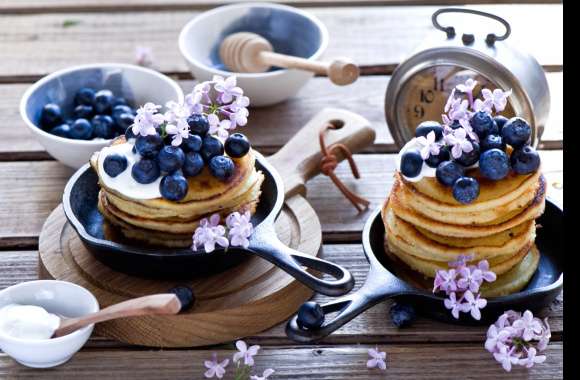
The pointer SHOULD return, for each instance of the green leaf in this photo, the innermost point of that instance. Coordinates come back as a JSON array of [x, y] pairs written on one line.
[[70, 23]]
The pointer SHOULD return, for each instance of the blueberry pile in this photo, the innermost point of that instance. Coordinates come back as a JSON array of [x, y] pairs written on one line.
[[495, 134], [159, 158], [96, 114]]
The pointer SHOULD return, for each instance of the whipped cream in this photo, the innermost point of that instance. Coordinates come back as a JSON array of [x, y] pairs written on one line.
[[27, 322], [426, 170], [124, 182]]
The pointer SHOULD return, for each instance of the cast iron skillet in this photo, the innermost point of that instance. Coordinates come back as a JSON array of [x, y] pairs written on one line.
[[80, 207], [384, 281]]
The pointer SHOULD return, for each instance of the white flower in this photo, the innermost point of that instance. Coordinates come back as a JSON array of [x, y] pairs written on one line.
[[377, 359], [497, 98], [429, 146], [147, 119], [265, 375], [209, 233], [482, 105], [458, 140], [179, 132], [246, 353], [175, 112], [214, 368], [468, 86], [218, 127], [240, 229]]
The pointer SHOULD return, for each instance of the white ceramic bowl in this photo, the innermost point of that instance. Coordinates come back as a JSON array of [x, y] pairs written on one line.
[[290, 30], [137, 84], [57, 297]]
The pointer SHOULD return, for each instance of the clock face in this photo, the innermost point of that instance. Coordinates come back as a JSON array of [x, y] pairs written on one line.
[[425, 94]]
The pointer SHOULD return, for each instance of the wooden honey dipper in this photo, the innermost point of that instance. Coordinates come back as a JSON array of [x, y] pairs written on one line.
[[246, 52]]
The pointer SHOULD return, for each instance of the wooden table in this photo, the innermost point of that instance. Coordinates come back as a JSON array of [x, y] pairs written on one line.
[[40, 36]]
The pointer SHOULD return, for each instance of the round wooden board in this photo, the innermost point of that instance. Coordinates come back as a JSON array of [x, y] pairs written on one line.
[[242, 301]]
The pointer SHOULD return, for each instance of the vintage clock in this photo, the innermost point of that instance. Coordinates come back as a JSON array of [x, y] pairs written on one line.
[[420, 86]]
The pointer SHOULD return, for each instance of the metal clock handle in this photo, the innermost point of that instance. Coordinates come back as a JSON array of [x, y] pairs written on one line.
[[468, 38]]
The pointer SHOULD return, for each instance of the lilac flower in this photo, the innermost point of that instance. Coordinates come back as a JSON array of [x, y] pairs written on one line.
[[469, 130], [147, 119], [470, 279], [486, 274], [532, 358], [214, 368], [377, 359], [497, 337], [239, 115], [458, 141], [544, 338], [227, 88], [454, 305], [507, 318], [468, 88], [240, 229], [267, 373], [497, 98], [506, 356], [461, 260], [445, 281], [459, 110], [529, 326], [209, 233], [175, 112], [218, 127], [450, 101], [473, 304], [482, 105], [179, 132], [246, 353], [429, 146]]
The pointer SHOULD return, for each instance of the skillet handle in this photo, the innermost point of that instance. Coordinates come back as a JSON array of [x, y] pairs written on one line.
[[267, 245], [379, 286]]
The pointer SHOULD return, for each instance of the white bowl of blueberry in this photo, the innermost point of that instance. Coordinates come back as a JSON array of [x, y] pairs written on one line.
[[77, 111]]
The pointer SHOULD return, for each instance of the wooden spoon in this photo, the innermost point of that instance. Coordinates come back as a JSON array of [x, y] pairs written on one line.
[[246, 52], [158, 304]]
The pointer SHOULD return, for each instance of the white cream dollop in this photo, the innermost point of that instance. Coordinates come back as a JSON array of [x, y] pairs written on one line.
[[124, 182], [426, 170], [27, 322]]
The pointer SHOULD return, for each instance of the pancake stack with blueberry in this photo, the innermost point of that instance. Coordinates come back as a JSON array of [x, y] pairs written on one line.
[[169, 172], [470, 187]]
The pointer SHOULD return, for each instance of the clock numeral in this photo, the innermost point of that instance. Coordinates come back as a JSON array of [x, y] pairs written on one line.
[[438, 84], [427, 96], [419, 111]]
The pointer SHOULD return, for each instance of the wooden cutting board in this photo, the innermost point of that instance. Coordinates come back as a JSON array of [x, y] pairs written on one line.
[[241, 301]]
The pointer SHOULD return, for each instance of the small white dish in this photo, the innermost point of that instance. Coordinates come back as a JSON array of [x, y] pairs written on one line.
[[290, 30], [137, 84], [57, 297]]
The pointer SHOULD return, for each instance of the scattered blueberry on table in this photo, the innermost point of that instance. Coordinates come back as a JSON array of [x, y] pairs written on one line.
[[402, 315], [310, 315], [108, 115]]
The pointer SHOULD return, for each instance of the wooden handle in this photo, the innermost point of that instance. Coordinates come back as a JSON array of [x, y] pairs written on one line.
[[340, 71], [299, 159], [158, 304]]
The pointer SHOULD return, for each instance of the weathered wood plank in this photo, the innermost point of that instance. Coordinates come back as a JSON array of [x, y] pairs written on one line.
[[373, 326], [270, 127], [374, 36], [30, 191], [313, 362]]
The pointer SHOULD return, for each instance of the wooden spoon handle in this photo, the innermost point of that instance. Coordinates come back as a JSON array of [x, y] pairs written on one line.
[[340, 71], [157, 304]]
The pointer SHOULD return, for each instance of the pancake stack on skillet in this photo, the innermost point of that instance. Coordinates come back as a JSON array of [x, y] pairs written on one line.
[[160, 222]]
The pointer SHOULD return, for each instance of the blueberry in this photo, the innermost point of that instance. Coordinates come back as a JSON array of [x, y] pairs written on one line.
[[466, 190], [50, 116], [425, 127], [492, 142], [237, 145], [81, 129], [83, 112], [192, 144], [434, 161], [173, 187], [211, 147], [85, 96], [103, 101], [500, 121], [130, 135], [62, 130], [171, 158], [115, 164], [448, 172], [198, 124], [103, 126], [411, 163], [145, 171], [185, 295], [525, 160], [494, 164], [119, 101], [455, 124], [468, 159], [121, 109], [221, 167], [483, 124], [516, 132], [193, 164], [124, 121], [148, 146], [310, 315], [402, 314]]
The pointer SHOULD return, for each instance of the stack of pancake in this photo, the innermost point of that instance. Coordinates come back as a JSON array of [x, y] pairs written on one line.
[[171, 224], [426, 228]]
